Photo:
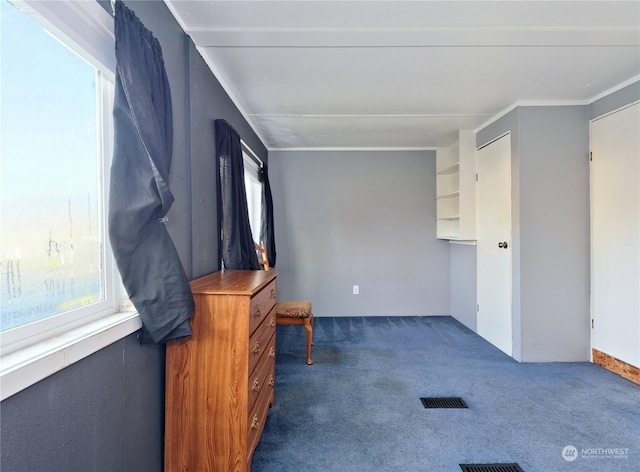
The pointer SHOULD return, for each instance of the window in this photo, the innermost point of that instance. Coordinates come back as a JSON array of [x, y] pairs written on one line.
[[51, 196], [56, 269], [253, 187]]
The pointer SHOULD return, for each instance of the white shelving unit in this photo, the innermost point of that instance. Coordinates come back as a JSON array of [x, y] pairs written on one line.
[[456, 189]]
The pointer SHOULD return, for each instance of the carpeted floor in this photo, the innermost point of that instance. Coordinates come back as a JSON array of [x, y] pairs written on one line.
[[358, 407]]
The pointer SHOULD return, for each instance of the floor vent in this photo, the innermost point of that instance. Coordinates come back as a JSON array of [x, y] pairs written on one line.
[[443, 402], [491, 468]]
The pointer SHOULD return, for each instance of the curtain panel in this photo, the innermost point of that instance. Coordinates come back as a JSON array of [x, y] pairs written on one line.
[[140, 197], [236, 241], [267, 232]]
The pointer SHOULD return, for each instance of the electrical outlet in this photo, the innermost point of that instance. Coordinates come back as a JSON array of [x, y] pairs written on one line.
[[356, 289]]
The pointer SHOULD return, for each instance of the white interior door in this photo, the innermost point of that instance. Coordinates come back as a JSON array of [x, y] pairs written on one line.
[[615, 234], [494, 243]]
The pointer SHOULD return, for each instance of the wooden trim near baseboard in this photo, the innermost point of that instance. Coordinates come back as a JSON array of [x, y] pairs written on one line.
[[616, 366]]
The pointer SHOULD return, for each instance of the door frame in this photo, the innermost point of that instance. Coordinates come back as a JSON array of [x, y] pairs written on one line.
[[505, 346], [601, 343]]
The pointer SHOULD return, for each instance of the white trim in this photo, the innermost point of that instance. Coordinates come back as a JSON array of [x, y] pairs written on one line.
[[557, 102], [375, 115], [85, 23], [524, 103], [624, 84], [251, 167], [231, 91], [357, 149], [464, 242], [25, 367], [492, 140], [248, 150], [599, 117]]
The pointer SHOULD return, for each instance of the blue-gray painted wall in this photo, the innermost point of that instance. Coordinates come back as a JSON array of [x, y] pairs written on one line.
[[463, 279], [612, 102], [102, 414], [363, 218]]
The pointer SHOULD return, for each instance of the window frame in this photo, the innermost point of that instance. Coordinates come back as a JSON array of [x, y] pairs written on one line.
[[252, 171], [24, 335], [34, 351]]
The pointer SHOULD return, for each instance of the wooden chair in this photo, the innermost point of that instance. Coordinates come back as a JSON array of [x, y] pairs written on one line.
[[297, 312]]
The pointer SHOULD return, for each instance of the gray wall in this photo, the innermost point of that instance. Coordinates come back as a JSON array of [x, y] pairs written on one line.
[[345, 218], [463, 285], [554, 233], [106, 412], [208, 101], [550, 230], [102, 414], [625, 96]]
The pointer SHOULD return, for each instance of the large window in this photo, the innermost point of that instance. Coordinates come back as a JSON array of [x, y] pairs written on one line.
[[56, 269]]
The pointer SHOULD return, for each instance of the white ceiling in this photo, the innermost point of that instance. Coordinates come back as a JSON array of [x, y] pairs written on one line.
[[406, 74]]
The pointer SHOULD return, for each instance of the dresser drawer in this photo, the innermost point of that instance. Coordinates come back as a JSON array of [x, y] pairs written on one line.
[[258, 342], [261, 305], [257, 419], [263, 376]]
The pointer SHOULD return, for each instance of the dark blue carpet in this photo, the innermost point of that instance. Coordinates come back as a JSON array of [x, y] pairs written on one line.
[[358, 407]]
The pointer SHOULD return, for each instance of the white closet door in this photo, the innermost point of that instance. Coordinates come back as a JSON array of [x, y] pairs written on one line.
[[494, 243], [615, 234]]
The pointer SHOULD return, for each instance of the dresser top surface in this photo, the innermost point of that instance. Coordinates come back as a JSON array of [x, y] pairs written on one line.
[[233, 282]]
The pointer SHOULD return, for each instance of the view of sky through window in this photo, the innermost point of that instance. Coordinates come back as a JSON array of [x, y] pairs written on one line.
[[50, 205]]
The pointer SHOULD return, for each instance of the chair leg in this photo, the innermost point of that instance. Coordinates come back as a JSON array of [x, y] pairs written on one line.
[[308, 326]]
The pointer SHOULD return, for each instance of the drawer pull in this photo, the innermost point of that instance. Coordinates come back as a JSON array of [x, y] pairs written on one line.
[[272, 381], [272, 322], [256, 386], [272, 295], [256, 348], [255, 424], [272, 352], [256, 311]]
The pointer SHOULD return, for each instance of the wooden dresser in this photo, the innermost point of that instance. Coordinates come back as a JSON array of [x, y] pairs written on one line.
[[220, 381]]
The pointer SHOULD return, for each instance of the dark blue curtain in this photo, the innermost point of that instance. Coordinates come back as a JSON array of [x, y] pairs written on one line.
[[267, 232], [236, 242], [139, 197]]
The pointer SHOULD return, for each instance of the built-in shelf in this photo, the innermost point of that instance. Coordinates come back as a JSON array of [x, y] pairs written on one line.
[[455, 189], [452, 169], [463, 242], [449, 195]]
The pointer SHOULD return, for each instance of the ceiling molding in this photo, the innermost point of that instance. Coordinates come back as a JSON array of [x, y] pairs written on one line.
[[305, 73], [233, 93], [620, 86], [414, 37], [355, 149]]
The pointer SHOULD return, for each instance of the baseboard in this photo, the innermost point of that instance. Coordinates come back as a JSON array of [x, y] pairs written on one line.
[[617, 366]]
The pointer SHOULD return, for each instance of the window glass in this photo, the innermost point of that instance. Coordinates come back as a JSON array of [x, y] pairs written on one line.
[[253, 188], [51, 231]]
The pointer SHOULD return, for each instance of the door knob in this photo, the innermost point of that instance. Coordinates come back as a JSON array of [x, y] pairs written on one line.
[[503, 245]]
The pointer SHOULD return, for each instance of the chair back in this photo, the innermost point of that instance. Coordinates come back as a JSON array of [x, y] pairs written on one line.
[[263, 260]]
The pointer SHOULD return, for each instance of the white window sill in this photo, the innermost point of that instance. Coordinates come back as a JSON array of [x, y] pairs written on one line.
[[25, 367]]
